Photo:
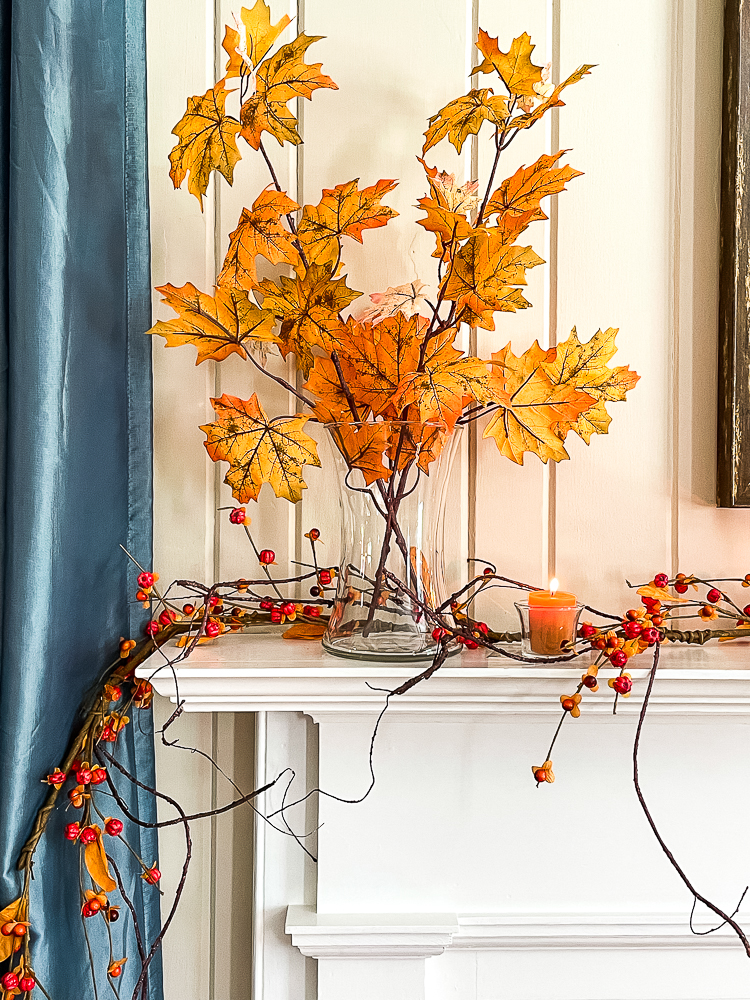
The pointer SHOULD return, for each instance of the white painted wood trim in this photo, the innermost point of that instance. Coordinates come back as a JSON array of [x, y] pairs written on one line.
[[259, 860], [422, 935]]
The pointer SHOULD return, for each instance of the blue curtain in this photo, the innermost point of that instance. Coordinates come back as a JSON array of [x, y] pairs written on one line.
[[75, 432]]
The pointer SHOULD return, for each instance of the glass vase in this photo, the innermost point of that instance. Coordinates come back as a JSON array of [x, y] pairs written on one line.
[[393, 486]]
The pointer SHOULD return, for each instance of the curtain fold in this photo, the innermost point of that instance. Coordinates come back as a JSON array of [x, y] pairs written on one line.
[[75, 434]]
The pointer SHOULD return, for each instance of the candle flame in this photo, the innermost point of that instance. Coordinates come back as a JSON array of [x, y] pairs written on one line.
[[553, 586]]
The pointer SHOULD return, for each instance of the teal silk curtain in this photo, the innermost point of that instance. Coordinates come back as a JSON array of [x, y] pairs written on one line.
[[75, 432]]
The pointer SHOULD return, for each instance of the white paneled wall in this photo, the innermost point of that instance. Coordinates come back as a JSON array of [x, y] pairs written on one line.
[[633, 244]]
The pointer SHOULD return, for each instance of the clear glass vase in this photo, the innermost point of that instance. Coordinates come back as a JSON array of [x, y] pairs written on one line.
[[392, 567]]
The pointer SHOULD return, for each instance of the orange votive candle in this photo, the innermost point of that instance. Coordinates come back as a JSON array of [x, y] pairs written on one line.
[[552, 618]]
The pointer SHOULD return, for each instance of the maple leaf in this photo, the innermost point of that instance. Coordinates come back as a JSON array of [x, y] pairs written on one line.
[[482, 274], [449, 227], [531, 405], [259, 232], [220, 325], [447, 193], [514, 67], [521, 194], [232, 45], [584, 366], [464, 117], [552, 101], [333, 404], [255, 33], [308, 307], [259, 450], [282, 77], [404, 299], [363, 447], [306, 631], [207, 141], [342, 211], [439, 391], [375, 357]]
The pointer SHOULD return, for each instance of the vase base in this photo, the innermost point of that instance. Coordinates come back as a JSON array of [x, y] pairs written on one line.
[[383, 648]]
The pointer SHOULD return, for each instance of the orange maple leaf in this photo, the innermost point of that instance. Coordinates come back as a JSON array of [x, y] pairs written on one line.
[[447, 379], [220, 325], [253, 37], [207, 141], [521, 194], [363, 447], [259, 450], [95, 858], [282, 77], [553, 101], [531, 405], [514, 67], [308, 307], [259, 233], [464, 117], [342, 211], [449, 227]]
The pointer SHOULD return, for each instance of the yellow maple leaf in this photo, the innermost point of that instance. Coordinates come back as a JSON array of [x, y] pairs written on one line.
[[342, 211], [207, 141], [553, 101], [282, 77], [260, 34], [449, 227], [259, 233], [522, 193], [219, 325], [363, 447], [531, 406], [584, 366], [308, 307], [259, 450], [448, 377], [95, 857], [482, 274], [514, 67], [464, 117], [332, 405]]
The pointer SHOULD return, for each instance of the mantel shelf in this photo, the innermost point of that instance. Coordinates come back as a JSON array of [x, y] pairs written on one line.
[[252, 673]]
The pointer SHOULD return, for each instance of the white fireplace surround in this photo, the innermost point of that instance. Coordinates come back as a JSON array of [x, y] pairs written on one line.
[[456, 870]]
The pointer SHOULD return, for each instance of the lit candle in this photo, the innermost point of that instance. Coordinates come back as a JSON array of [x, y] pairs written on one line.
[[552, 619]]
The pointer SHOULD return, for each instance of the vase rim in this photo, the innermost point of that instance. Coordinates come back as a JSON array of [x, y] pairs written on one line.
[[376, 422]]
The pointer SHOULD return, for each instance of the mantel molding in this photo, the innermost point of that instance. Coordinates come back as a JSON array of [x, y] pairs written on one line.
[[423, 935], [263, 673]]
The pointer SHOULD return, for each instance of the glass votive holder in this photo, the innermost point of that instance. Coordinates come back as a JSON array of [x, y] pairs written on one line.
[[548, 633]]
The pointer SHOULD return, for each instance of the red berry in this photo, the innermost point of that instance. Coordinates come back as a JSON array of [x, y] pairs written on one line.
[[487, 571], [267, 557], [540, 775], [657, 620], [238, 515], [86, 910], [314, 591], [188, 609], [633, 630], [618, 658], [57, 777], [27, 984], [113, 915], [276, 615], [650, 635], [681, 588], [311, 611], [7, 929], [313, 534], [661, 580], [115, 971], [153, 875], [145, 579], [266, 604], [88, 835], [288, 608], [632, 615], [108, 734], [213, 629], [141, 595], [94, 905], [19, 930], [9, 981], [113, 827], [746, 610], [83, 777], [115, 694], [481, 627], [590, 681], [586, 631], [325, 577], [622, 685], [470, 644], [714, 595], [152, 628], [98, 775], [438, 633], [167, 617], [568, 704]]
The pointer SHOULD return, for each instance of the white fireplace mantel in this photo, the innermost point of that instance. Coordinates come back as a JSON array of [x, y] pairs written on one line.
[[456, 873]]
